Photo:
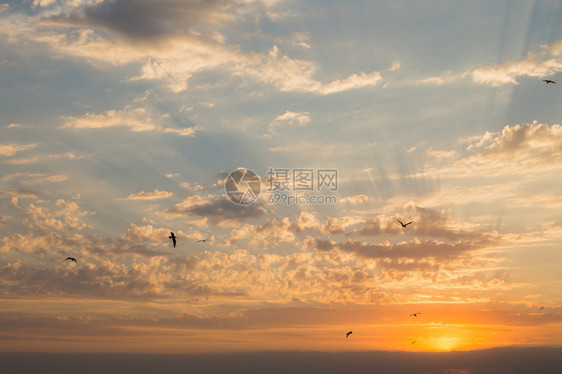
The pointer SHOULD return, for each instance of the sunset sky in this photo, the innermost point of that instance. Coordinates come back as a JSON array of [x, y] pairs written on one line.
[[120, 121]]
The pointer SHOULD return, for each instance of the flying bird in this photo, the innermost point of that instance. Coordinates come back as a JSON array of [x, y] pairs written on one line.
[[414, 314], [71, 259], [173, 237], [349, 333], [404, 224], [541, 308], [414, 342], [202, 240], [547, 81]]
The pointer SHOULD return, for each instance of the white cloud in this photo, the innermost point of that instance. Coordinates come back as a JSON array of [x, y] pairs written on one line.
[[546, 62], [440, 155], [16, 125], [356, 199], [290, 119], [67, 216], [43, 3], [136, 119], [527, 148], [36, 178], [103, 42], [154, 195], [40, 158], [12, 149]]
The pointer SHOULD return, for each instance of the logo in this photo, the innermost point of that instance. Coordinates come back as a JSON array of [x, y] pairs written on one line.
[[242, 186]]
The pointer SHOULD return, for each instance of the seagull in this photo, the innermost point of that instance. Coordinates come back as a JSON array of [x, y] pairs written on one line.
[[541, 308], [414, 314], [71, 259], [347, 335], [404, 224], [547, 81], [202, 240], [414, 342], [173, 237]]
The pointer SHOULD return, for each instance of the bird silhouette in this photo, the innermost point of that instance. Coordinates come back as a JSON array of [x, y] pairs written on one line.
[[173, 237], [71, 259], [414, 342], [202, 240], [541, 308], [347, 335], [547, 81], [404, 224], [414, 314]]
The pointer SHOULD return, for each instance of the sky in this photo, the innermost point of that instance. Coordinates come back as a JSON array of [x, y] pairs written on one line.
[[121, 122]]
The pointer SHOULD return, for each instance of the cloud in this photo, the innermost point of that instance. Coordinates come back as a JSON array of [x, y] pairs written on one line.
[[355, 199], [20, 192], [27, 178], [339, 225], [544, 63], [159, 236], [288, 74], [427, 223], [218, 210], [67, 216], [412, 249], [171, 36], [527, 148], [194, 187], [446, 78], [154, 195], [440, 155], [17, 126], [43, 3], [300, 39], [275, 231], [44, 158], [149, 21], [12, 149], [531, 143], [136, 119], [290, 119]]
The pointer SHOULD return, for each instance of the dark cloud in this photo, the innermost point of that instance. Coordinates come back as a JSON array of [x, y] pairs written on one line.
[[20, 192], [139, 280], [498, 360], [411, 249], [427, 223], [221, 210], [147, 19]]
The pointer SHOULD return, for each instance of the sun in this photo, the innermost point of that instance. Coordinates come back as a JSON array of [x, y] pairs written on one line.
[[445, 343]]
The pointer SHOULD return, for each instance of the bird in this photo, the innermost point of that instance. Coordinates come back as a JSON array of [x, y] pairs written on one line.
[[202, 240], [173, 237], [347, 335], [71, 259], [415, 340], [541, 308], [414, 314], [404, 224], [547, 81]]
